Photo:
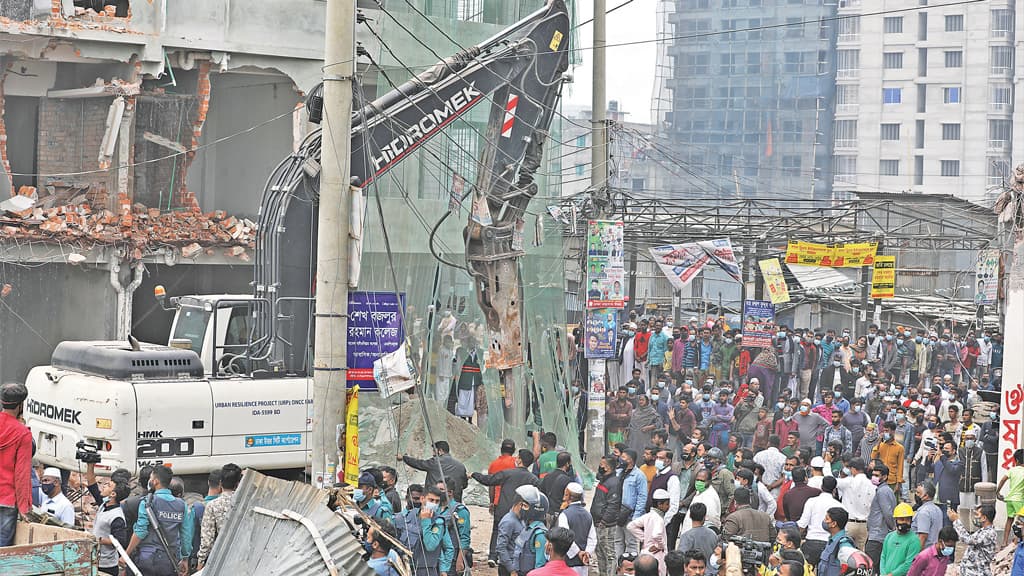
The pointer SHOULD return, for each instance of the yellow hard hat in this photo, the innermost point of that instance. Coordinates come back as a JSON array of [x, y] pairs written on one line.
[[903, 510]]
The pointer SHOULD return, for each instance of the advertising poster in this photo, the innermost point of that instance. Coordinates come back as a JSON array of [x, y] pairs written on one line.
[[758, 323], [598, 397], [458, 187], [374, 329], [602, 329], [774, 281], [852, 255], [680, 262], [986, 277], [605, 265], [721, 252], [883, 277], [351, 472]]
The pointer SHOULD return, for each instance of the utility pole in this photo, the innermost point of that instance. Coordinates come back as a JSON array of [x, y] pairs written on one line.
[[332, 261], [599, 116]]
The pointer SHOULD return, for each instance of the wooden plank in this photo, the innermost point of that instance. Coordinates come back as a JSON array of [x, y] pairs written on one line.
[[64, 558], [31, 533]]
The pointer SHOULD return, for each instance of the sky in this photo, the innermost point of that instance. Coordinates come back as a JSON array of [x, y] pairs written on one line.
[[630, 69]]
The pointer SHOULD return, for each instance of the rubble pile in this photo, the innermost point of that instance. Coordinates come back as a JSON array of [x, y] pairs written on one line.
[[81, 216], [1003, 561]]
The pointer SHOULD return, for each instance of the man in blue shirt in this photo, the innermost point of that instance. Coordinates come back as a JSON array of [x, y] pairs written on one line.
[[656, 348], [175, 522], [634, 494], [380, 549]]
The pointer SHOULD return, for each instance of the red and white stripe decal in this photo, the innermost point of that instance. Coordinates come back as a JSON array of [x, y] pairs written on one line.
[[510, 115]]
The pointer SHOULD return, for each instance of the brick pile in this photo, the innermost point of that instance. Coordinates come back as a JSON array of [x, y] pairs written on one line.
[[84, 219]]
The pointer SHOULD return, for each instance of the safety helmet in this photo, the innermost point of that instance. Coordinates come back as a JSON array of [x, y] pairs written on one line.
[[715, 454], [903, 510], [856, 563], [529, 493]]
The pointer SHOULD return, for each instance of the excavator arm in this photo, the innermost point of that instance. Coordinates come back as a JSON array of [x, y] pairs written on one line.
[[517, 73]]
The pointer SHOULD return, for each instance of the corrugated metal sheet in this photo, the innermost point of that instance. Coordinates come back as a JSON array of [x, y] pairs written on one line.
[[253, 543], [821, 278]]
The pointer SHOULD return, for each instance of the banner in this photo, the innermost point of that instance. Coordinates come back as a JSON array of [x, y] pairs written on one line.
[[374, 329], [831, 255], [1011, 401], [602, 330], [721, 252], [774, 281], [758, 323], [352, 436], [597, 397], [394, 372], [458, 185], [680, 262], [987, 277], [883, 277], [605, 265]]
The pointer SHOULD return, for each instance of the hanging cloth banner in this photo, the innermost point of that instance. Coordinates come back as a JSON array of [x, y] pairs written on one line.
[[682, 262], [351, 473], [831, 255], [774, 281], [883, 278]]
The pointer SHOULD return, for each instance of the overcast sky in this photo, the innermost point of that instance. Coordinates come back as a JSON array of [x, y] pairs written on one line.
[[630, 68]]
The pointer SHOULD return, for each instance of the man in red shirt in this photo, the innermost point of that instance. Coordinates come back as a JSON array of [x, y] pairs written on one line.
[[505, 461], [557, 548], [15, 461]]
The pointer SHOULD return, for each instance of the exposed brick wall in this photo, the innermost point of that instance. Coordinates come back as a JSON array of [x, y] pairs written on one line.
[[184, 197], [4, 159], [70, 135]]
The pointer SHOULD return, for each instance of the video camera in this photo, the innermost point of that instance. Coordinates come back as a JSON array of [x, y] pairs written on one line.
[[753, 554], [87, 453]]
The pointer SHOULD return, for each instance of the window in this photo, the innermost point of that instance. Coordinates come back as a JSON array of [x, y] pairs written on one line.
[[794, 27], [919, 134], [1001, 59], [951, 95], [892, 60], [848, 63], [918, 170], [998, 171], [949, 167], [849, 29], [846, 97], [798, 62], [792, 130], [1002, 22], [922, 62], [951, 131], [890, 132], [888, 167], [845, 168], [893, 24], [892, 95], [791, 165], [727, 63], [954, 23], [846, 133], [954, 59], [698, 64], [753, 23], [580, 168], [637, 184], [471, 10], [581, 141], [922, 25], [730, 3], [753, 63], [1000, 96], [922, 98], [1000, 132], [728, 28]]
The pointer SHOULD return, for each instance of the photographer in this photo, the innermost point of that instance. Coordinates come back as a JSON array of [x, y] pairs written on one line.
[[109, 523]]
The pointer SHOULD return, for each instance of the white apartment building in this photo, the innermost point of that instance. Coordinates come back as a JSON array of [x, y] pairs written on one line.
[[925, 97]]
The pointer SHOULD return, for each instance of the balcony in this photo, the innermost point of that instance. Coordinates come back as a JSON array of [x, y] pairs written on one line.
[[845, 4], [998, 144], [848, 73], [842, 143]]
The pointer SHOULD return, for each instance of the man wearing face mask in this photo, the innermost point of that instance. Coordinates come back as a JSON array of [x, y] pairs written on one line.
[[855, 420], [981, 544], [173, 518], [366, 497], [707, 496], [990, 444], [900, 546], [55, 502], [15, 461], [665, 479], [424, 532], [607, 510], [881, 519], [380, 550], [970, 457], [891, 453], [933, 560], [810, 424]]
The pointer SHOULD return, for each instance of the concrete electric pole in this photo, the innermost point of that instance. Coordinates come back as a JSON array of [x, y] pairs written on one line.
[[599, 117], [332, 266]]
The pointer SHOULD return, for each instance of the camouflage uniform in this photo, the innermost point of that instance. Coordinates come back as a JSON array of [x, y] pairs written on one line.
[[214, 518]]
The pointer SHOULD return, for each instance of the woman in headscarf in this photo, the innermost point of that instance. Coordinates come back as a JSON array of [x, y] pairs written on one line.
[[642, 424], [764, 367]]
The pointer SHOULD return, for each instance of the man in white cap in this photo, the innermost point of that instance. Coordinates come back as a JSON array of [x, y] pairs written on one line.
[[649, 529], [577, 518], [817, 472], [56, 503]]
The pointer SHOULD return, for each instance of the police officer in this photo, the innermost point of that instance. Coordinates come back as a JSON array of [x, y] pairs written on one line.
[[532, 542], [423, 531], [163, 532]]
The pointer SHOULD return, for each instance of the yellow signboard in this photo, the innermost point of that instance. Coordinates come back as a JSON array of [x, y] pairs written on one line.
[[352, 437], [774, 281], [883, 279], [831, 255]]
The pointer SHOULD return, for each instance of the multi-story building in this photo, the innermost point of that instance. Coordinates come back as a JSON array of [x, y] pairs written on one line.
[[925, 97], [752, 95]]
